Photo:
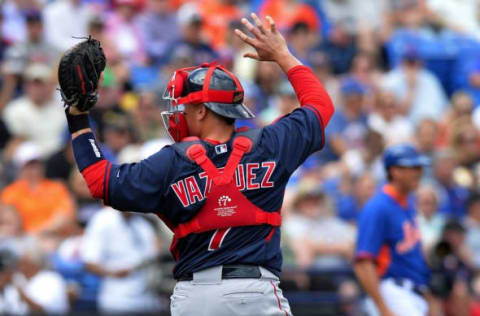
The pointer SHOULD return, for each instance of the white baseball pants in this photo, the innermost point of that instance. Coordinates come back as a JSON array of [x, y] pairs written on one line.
[[400, 299], [208, 295]]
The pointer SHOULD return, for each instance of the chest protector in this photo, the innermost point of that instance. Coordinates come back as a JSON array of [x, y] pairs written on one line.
[[225, 205]]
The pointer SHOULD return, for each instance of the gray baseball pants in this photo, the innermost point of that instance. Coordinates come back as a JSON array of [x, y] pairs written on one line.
[[208, 295]]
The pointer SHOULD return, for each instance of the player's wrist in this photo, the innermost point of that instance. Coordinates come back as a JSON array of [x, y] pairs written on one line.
[[287, 61], [77, 122], [73, 110]]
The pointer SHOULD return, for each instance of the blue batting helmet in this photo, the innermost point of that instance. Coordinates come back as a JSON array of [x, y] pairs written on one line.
[[403, 155]]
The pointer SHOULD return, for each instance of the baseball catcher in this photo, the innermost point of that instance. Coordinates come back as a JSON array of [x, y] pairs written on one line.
[[219, 189]]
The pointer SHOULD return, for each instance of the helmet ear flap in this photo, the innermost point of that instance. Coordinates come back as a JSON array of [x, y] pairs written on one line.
[[175, 85]]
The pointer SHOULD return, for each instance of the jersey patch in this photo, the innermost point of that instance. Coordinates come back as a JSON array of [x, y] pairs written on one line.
[[221, 149]]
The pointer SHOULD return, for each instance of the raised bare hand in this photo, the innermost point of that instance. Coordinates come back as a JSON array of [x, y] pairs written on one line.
[[268, 42]]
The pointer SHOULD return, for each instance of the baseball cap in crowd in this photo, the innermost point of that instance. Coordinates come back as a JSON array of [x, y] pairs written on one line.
[[38, 71], [189, 14], [404, 155], [33, 16], [26, 152], [308, 191], [118, 121], [411, 55], [351, 86], [454, 225]]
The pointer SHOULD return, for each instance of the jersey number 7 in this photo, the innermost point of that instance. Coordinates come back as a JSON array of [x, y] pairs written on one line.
[[217, 238]]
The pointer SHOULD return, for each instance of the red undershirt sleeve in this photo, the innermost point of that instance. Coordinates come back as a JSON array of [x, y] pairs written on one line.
[[310, 92]]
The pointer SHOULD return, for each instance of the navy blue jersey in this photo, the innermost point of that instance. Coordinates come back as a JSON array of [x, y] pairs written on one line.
[[172, 185]]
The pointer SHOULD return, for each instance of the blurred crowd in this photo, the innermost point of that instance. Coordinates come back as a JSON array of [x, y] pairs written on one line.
[[398, 71]]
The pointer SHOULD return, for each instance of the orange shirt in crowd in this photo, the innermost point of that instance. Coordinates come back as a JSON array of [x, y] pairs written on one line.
[[216, 19], [175, 4], [286, 13], [40, 205]]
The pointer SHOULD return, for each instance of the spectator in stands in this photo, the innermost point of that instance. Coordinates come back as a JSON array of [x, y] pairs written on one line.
[[367, 158], [117, 133], [426, 140], [322, 69], [159, 29], [224, 11], [350, 203], [19, 56], [465, 141], [387, 119], [418, 90], [349, 124], [302, 40], [365, 14], [38, 116], [317, 237], [452, 197], [31, 194], [268, 78], [27, 287], [451, 265], [430, 221], [124, 32], [285, 102], [447, 13], [461, 109], [66, 259], [60, 164], [191, 37], [340, 48], [288, 12], [63, 13], [472, 224], [147, 117], [365, 70], [119, 247]]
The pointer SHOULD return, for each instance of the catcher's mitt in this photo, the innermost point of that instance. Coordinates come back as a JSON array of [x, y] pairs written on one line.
[[78, 74]]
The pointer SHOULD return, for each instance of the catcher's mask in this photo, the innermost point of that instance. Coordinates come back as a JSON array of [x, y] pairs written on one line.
[[209, 84]]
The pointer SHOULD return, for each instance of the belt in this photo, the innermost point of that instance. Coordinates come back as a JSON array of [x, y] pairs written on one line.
[[405, 283], [231, 271]]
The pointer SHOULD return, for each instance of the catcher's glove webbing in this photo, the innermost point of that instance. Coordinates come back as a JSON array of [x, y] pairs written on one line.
[[78, 74]]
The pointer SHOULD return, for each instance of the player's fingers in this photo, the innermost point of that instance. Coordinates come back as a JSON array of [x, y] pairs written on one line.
[[244, 37], [258, 23], [271, 22], [252, 55], [255, 31]]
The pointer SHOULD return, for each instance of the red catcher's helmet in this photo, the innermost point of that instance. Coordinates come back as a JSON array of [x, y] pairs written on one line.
[[213, 85]]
